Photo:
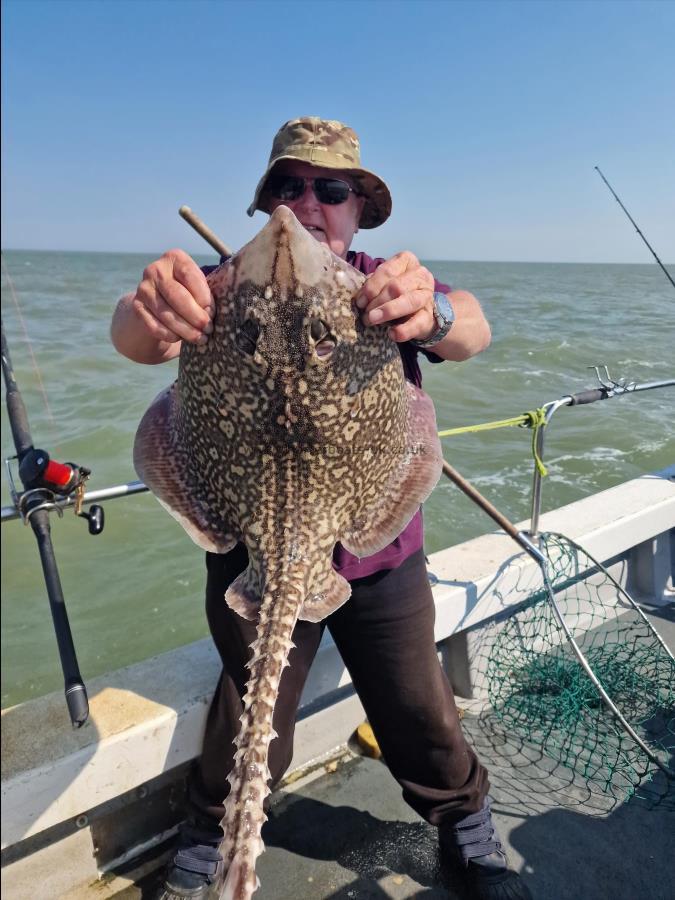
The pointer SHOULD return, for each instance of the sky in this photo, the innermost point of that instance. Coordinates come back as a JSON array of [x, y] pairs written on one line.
[[486, 119]]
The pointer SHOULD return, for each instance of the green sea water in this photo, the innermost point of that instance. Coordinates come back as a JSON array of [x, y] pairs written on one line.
[[136, 590]]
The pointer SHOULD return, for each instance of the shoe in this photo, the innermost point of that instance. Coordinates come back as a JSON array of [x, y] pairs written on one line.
[[472, 847], [195, 867], [489, 878]]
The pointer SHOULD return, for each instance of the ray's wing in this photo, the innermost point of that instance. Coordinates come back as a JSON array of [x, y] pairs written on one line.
[[163, 464], [412, 480]]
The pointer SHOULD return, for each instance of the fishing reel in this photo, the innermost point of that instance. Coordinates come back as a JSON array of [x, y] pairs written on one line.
[[37, 470], [55, 482]]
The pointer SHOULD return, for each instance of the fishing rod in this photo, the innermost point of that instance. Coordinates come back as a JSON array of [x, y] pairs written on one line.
[[665, 271], [43, 480]]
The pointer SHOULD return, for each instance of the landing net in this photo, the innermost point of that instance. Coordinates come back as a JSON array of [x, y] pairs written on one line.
[[540, 693]]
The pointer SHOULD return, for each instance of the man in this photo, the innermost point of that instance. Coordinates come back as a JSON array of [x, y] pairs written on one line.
[[385, 630]]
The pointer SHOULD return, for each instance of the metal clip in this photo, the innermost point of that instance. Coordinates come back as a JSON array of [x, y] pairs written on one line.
[[14, 494], [48, 503], [79, 498], [79, 490]]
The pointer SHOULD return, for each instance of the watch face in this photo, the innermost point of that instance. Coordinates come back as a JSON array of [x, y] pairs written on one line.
[[444, 311], [444, 315]]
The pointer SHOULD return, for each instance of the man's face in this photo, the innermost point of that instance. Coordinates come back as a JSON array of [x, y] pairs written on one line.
[[334, 225]]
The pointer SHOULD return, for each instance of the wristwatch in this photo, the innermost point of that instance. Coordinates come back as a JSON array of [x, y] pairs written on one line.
[[444, 315]]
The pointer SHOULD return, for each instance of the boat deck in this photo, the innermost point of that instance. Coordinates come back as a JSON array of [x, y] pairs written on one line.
[[343, 831]]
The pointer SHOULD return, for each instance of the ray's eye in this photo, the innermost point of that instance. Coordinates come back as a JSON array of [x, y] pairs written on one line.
[[324, 340], [247, 336], [318, 329]]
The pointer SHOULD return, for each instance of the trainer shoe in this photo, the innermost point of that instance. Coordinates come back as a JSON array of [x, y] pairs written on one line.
[[195, 866], [472, 847]]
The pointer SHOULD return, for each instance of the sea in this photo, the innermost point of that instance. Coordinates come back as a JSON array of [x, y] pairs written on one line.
[[136, 590]]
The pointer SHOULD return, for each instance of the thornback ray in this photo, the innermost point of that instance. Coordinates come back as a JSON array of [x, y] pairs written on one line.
[[291, 429]]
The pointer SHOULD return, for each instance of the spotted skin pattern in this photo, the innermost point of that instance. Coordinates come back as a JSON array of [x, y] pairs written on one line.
[[291, 429]]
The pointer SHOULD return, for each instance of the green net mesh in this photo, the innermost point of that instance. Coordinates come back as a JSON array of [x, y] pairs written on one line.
[[538, 689]]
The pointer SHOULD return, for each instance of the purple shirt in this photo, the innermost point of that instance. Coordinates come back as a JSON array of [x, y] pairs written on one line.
[[412, 537]]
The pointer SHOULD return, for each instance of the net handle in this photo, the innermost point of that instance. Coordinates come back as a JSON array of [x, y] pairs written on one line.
[[491, 510]]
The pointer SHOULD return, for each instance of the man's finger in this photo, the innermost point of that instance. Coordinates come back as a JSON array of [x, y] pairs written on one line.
[[178, 298], [419, 325], [153, 326], [415, 278], [164, 323], [398, 308], [187, 272], [407, 283], [392, 268]]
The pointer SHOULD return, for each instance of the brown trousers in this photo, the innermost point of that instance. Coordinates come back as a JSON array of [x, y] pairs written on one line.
[[385, 636]]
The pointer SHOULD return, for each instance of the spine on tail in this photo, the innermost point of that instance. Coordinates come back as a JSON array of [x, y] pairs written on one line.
[[244, 814]]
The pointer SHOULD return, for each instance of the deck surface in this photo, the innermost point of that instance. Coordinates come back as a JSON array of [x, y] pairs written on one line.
[[347, 834]]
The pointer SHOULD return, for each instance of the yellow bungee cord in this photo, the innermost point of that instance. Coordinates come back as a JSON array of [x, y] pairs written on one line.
[[535, 419]]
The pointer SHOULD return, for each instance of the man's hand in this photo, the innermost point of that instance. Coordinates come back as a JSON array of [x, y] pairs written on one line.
[[173, 301], [400, 291], [400, 295]]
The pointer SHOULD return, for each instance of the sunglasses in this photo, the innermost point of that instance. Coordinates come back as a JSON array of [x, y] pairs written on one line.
[[330, 191]]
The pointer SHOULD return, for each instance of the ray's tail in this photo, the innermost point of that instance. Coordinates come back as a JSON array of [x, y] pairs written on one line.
[[244, 813]]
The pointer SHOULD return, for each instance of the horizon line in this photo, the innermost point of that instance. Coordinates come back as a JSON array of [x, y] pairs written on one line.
[[529, 262]]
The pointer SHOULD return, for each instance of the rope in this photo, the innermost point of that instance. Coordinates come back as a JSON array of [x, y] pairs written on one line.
[[525, 419], [535, 419]]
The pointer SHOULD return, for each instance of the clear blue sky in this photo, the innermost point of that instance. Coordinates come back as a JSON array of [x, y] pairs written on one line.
[[486, 120]]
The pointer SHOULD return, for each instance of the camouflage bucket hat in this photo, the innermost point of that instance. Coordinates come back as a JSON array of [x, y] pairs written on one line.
[[329, 145]]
